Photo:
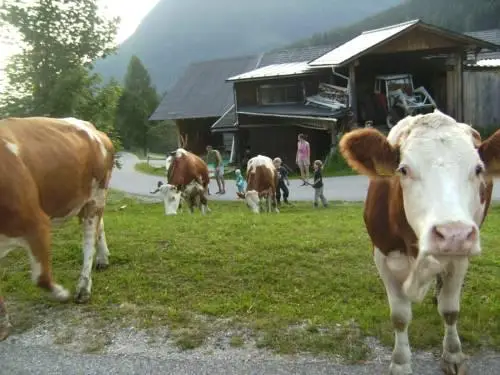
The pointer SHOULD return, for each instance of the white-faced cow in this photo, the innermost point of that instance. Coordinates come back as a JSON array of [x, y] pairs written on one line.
[[429, 192], [182, 168], [262, 180], [52, 170], [193, 194]]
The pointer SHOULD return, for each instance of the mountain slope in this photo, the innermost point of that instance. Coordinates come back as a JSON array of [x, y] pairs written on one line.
[[456, 15], [176, 33]]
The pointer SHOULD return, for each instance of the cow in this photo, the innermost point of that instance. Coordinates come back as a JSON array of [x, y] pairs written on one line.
[[262, 180], [183, 167], [193, 195], [53, 170], [430, 187]]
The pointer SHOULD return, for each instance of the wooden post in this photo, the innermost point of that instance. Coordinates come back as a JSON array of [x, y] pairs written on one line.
[[459, 69], [353, 101]]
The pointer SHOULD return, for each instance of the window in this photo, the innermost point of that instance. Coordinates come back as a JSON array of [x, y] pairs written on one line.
[[279, 94]]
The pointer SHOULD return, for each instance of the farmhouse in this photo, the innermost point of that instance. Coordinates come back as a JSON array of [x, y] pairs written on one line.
[[263, 102], [202, 103], [275, 103]]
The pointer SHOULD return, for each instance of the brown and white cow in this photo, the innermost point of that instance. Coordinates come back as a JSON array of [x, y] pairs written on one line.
[[429, 192], [183, 168], [52, 170], [262, 180]]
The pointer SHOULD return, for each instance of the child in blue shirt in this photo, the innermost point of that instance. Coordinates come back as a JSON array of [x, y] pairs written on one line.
[[240, 181]]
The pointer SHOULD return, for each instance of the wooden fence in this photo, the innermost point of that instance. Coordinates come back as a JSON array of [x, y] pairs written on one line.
[[482, 98]]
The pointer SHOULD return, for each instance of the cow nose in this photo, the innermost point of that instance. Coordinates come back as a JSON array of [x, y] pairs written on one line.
[[455, 238]]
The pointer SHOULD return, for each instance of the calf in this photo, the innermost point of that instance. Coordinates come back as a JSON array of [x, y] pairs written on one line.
[[52, 170], [429, 192], [262, 180], [193, 194]]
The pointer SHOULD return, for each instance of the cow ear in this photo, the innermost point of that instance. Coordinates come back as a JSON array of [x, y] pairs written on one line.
[[489, 151], [368, 152]]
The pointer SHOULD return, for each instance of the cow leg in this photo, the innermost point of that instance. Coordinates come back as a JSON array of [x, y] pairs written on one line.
[[39, 251], [204, 204], [4, 320], [102, 258], [401, 315], [453, 359]]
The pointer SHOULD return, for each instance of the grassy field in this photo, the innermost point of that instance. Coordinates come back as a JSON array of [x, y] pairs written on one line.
[[299, 281]]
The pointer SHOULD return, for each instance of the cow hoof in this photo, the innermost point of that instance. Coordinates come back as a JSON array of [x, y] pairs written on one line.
[[101, 266], [4, 326], [395, 369], [455, 364], [60, 293], [4, 330], [83, 296]]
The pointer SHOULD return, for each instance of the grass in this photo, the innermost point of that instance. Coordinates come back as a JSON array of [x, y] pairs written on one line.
[[299, 281]]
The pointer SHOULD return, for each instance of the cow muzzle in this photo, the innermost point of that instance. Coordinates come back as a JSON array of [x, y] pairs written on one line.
[[454, 239]]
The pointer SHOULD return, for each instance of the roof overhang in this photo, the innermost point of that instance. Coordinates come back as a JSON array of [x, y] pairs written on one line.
[[275, 71]]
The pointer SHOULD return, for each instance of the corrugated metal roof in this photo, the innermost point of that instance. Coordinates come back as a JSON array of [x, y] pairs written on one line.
[[297, 54], [492, 36], [291, 110], [202, 91], [364, 41], [275, 70]]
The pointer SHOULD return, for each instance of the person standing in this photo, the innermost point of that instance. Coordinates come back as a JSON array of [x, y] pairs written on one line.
[[303, 157], [318, 184], [282, 178], [214, 156]]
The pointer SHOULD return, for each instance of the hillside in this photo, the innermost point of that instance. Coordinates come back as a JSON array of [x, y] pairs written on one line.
[[457, 15], [176, 33]]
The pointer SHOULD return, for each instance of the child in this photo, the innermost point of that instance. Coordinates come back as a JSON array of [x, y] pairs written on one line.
[[240, 181], [282, 177], [318, 184]]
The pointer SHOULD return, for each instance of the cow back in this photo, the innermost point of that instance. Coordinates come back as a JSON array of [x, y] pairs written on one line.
[[51, 163]]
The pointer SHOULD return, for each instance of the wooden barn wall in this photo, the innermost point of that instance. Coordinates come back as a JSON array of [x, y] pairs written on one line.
[[482, 98], [199, 134]]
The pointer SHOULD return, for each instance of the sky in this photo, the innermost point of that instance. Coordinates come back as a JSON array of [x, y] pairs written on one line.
[[131, 13]]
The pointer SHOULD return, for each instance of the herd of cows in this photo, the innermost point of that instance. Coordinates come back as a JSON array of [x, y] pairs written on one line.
[[430, 190]]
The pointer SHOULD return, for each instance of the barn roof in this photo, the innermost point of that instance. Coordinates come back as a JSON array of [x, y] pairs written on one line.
[[202, 91], [367, 41], [492, 36]]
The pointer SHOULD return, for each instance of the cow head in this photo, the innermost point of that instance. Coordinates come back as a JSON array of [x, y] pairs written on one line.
[[175, 164], [442, 168], [171, 199]]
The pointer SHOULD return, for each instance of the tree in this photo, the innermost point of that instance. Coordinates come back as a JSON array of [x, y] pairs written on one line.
[[52, 75], [138, 101]]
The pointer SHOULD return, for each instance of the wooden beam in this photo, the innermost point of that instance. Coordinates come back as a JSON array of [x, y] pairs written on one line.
[[353, 102], [459, 69]]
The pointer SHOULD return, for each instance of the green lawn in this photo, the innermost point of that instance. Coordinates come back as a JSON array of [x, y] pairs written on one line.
[[301, 280]]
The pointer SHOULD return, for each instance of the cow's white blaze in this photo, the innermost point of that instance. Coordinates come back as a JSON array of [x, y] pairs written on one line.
[[171, 198], [440, 180], [253, 201]]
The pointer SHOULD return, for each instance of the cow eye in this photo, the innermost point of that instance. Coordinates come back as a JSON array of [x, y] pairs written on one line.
[[479, 169], [403, 170]]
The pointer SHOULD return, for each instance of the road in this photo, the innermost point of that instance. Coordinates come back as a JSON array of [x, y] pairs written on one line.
[[346, 188], [18, 358]]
